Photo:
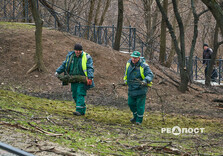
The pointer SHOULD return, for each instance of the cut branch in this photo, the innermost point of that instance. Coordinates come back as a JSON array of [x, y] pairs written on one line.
[[43, 131]]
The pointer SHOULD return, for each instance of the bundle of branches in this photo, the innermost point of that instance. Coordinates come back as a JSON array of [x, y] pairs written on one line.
[[72, 78]]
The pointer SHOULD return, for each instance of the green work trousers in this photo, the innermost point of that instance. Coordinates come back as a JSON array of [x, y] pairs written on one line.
[[79, 92], [137, 106]]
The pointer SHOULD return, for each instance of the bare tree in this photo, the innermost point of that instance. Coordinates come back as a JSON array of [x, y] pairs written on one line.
[[163, 35], [97, 12], [104, 12], [150, 24], [39, 65], [52, 12], [185, 71], [213, 56], [90, 14], [119, 25], [216, 10], [170, 58]]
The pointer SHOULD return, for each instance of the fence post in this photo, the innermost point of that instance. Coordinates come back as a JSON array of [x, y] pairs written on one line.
[[13, 10], [219, 71], [27, 10], [4, 8], [106, 36], [130, 33], [75, 30], [88, 32], [55, 23], [142, 48], [192, 71], [134, 39], [94, 30], [113, 35], [37, 4], [99, 34], [196, 67], [68, 18], [79, 29]]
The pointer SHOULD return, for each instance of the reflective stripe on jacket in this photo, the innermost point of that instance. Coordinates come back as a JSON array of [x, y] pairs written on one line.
[[85, 66], [141, 73], [134, 75]]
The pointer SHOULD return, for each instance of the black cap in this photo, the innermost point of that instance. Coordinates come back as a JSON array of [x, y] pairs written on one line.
[[205, 44], [78, 47]]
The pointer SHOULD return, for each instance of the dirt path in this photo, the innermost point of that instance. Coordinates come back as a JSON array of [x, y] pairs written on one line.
[[28, 143]]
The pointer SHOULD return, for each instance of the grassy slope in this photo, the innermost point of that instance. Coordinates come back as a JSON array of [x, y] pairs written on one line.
[[106, 130]]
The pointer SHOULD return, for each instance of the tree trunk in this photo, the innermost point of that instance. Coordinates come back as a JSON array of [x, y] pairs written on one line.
[[184, 79], [184, 72], [104, 12], [24, 11], [162, 55], [97, 12], [172, 51], [119, 25], [152, 32], [90, 14], [148, 22], [216, 11], [39, 65], [213, 56], [52, 12]]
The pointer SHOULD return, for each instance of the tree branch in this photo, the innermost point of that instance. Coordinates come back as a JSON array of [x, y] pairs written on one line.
[[201, 13]]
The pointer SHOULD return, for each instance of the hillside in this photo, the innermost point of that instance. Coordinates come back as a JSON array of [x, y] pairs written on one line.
[[105, 129], [17, 48]]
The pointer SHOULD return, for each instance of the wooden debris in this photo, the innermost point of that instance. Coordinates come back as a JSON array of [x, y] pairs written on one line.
[[43, 131], [72, 79]]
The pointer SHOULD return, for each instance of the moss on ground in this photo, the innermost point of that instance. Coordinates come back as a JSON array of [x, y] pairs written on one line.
[[106, 130], [15, 25]]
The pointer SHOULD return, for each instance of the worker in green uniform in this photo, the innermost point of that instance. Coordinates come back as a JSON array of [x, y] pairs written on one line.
[[138, 77], [78, 63]]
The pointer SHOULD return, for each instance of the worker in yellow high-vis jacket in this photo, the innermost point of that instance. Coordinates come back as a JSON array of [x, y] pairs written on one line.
[[138, 77], [78, 63]]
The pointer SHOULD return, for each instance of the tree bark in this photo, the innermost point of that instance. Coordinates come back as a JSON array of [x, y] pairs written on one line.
[[39, 65], [119, 25], [150, 23], [184, 72], [104, 12], [90, 14], [152, 32], [97, 12], [162, 55], [213, 56], [52, 12], [172, 51], [217, 12]]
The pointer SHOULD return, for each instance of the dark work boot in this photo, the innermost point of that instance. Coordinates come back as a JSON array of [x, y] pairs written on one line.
[[77, 113], [133, 120], [138, 123]]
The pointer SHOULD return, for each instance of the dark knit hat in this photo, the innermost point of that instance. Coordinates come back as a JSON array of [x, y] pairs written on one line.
[[78, 47], [205, 44]]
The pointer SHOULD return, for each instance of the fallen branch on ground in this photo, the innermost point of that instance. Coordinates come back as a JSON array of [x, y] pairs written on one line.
[[43, 148], [43, 131], [47, 118], [14, 125]]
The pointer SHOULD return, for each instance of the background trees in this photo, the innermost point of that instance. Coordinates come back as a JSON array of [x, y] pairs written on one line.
[[38, 58], [175, 34]]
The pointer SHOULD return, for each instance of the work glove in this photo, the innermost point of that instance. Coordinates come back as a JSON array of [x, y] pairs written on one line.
[[144, 83], [56, 74], [89, 82]]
